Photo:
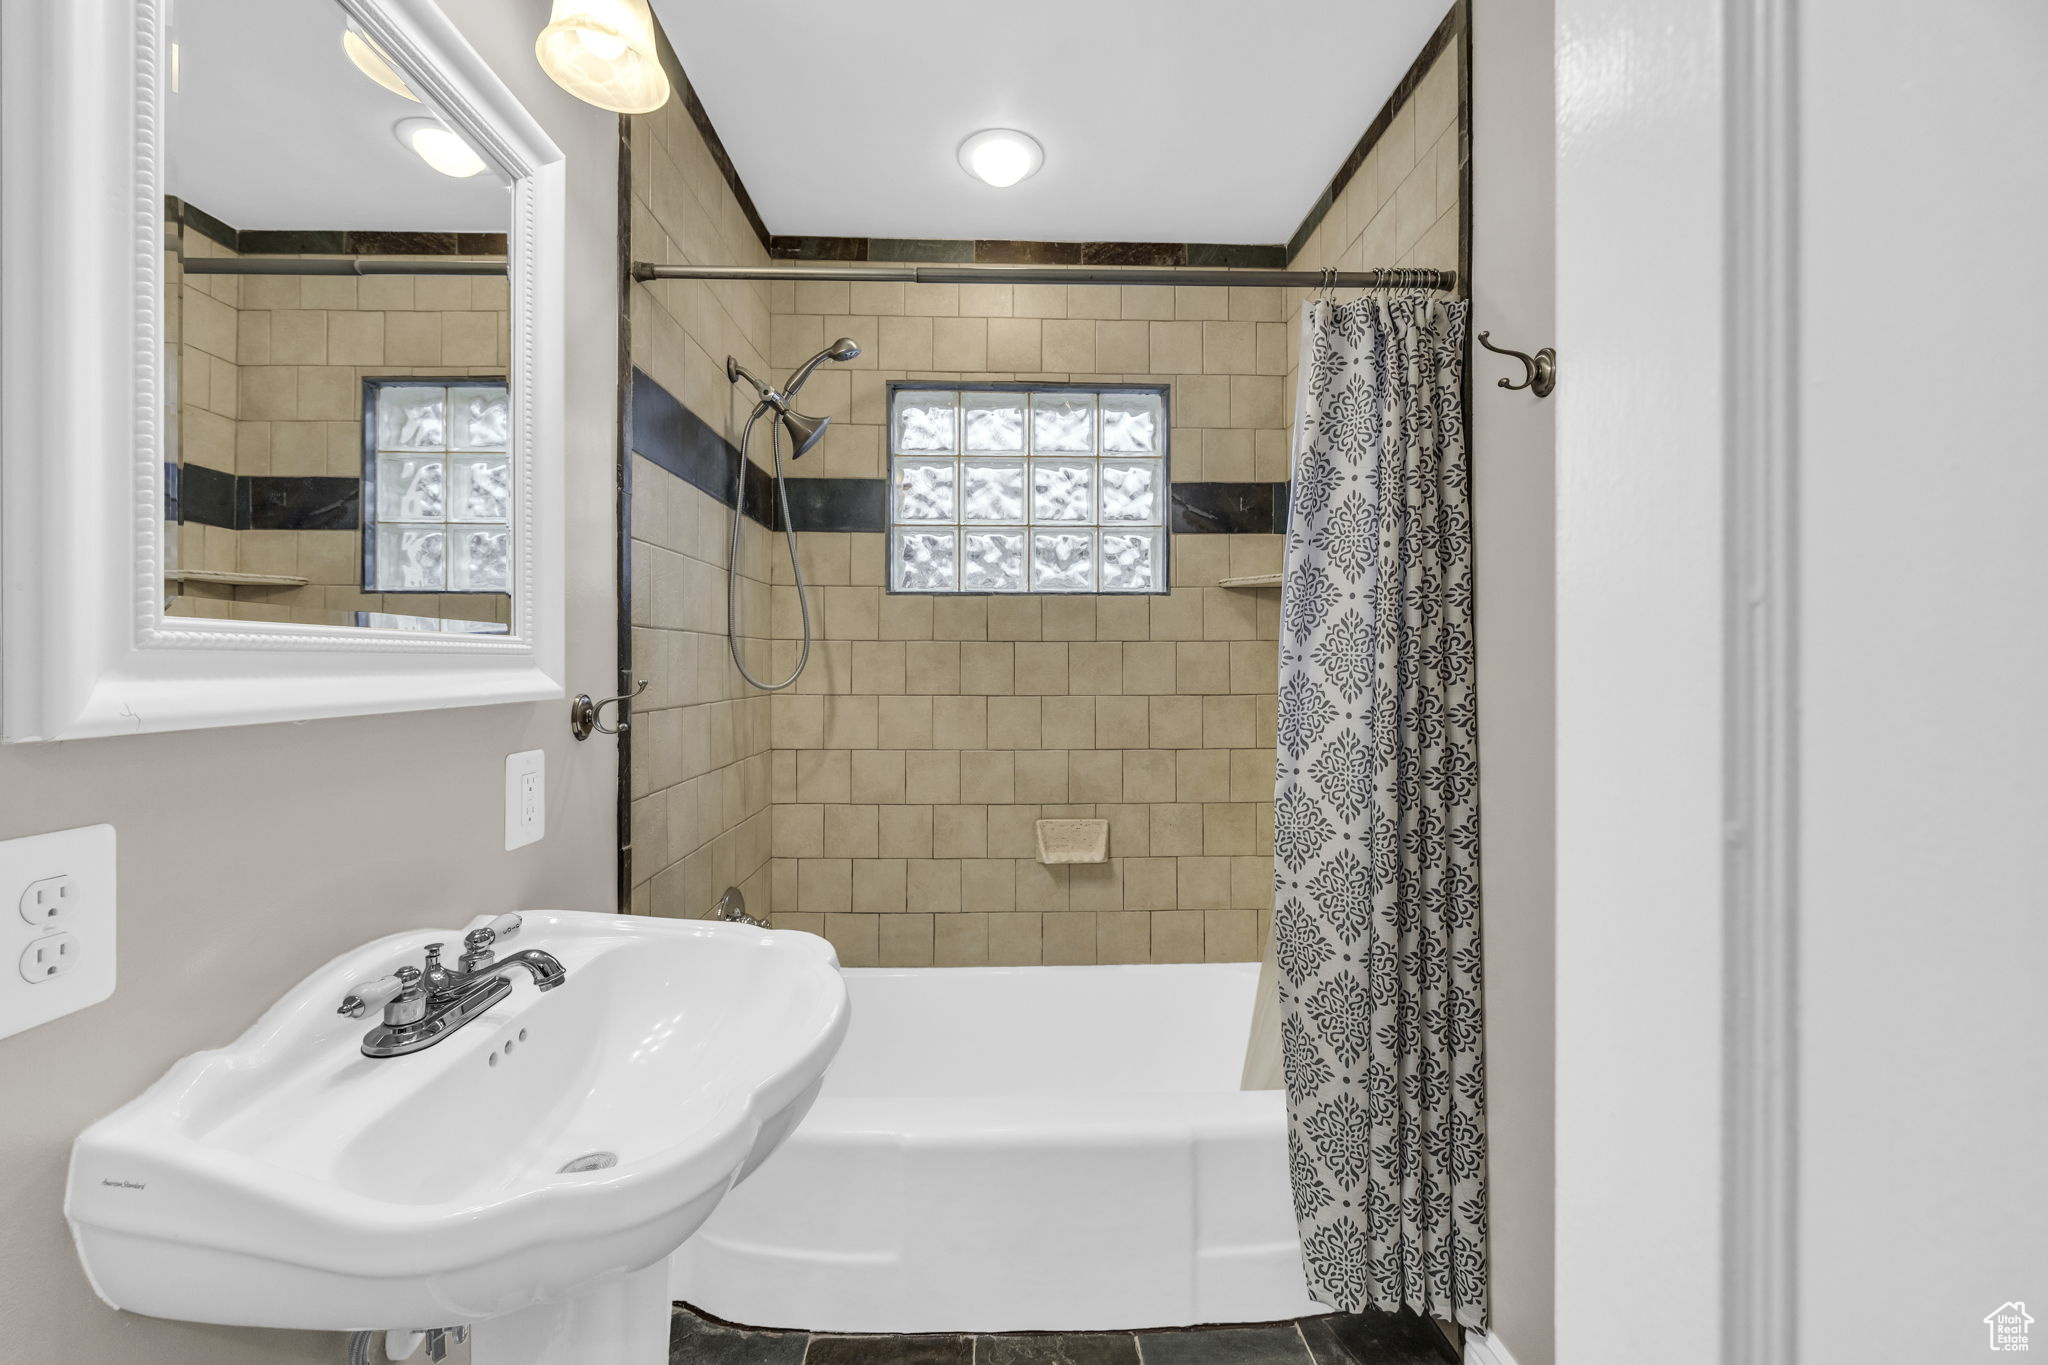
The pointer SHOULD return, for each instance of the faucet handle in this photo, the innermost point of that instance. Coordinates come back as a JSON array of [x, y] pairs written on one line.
[[477, 952], [371, 995], [503, 927]]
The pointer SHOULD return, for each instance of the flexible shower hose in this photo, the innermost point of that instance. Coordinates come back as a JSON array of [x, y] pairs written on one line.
[[732, 558]]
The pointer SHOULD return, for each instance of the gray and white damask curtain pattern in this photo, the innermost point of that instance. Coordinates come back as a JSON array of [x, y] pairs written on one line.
[[1376, 822]]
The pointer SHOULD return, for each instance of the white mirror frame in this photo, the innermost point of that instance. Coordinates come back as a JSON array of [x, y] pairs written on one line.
[[86, 648]]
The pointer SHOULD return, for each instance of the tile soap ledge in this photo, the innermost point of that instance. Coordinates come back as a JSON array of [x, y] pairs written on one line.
[[1255, 580], [245, 580]]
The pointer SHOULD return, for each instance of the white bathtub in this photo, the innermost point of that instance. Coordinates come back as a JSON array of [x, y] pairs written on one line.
[[1016, 1149]]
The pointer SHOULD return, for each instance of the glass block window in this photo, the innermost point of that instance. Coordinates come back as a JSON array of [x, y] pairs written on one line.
[[1010, 488], [437, 486]]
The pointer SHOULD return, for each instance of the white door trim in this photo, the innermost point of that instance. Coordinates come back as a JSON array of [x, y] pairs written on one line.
[[1761, 663]]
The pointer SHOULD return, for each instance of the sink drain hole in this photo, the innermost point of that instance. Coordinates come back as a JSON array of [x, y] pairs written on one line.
[[589, 1161]]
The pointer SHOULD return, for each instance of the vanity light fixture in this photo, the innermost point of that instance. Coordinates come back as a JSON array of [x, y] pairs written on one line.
[[603, 52], [438, 147], [1001, 156], [373, 61]]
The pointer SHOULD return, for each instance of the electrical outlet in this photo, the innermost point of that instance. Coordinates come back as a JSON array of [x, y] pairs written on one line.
[[62, 941], [49, 900], [52, 955], [526, 798]]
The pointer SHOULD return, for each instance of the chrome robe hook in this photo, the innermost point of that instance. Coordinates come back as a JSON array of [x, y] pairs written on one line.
[[584, 713], [1539, 370]]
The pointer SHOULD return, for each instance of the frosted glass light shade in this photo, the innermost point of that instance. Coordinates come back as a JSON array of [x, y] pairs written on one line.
[[374, 62], [603, 52], [438, 147], [1001, 156]]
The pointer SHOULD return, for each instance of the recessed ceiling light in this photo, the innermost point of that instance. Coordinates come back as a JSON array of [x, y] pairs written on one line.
[[438, 147], [373, 61], [1001, 156]]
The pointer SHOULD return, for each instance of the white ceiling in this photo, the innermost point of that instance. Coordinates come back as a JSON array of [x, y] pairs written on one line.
[[273, 127], [1163, 120]]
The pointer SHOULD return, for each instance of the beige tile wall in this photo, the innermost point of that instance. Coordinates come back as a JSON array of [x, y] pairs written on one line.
[[202, 415], [906, 767], [929, 733], [1223, 352], [700, 771], [1401, 206], [271, 371]]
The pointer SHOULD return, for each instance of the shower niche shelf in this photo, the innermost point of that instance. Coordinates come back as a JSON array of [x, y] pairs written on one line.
[[240, 580], [1253, 580]]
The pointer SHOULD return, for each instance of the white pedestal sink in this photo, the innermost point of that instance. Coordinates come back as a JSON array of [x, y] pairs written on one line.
[[286, 1180]]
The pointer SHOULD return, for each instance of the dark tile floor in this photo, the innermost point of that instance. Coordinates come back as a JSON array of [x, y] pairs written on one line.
[[1340, 1339]]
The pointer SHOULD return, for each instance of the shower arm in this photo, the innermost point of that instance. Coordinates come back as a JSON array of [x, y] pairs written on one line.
[[780, 399], [734, 372]]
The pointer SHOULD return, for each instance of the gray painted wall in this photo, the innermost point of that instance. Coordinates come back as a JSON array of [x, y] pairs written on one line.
[[250, 856], [1514, 500], [1922, 1019]]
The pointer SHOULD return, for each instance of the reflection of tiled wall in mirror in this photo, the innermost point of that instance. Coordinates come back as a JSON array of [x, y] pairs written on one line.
[[271, 394]]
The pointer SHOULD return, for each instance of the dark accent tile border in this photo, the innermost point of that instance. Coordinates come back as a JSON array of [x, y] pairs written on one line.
[[1134, 253], [670, 435], [288, 502], [684, 444], [927, 250], [838, 505], [1244, 509], [290, 241], [1454, 23], [330, 242], [199, 494], [1222, 255], [952, 251], [818, 248], [196, 219], [999, 252]]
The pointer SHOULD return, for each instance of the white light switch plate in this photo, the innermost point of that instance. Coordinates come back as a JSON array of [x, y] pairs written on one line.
[[56, 925], [526, 798]]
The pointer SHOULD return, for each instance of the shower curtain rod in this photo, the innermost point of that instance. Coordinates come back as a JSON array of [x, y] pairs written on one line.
[[345, 265], [646, 271]]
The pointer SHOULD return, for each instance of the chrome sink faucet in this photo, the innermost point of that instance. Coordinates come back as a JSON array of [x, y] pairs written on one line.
[[425, 1004]]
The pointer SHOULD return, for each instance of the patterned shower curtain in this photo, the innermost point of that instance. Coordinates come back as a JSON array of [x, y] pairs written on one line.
[[1376, 824]]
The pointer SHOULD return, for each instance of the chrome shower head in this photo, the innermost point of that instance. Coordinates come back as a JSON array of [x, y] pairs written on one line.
[[803, 431], [842, 350]]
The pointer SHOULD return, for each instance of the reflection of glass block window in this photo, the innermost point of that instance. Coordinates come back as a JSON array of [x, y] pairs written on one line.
[[438, 514], [1009, 488]]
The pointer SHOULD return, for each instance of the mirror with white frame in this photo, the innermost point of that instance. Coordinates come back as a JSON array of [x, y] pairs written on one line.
[[337, 327], [303, 458]]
